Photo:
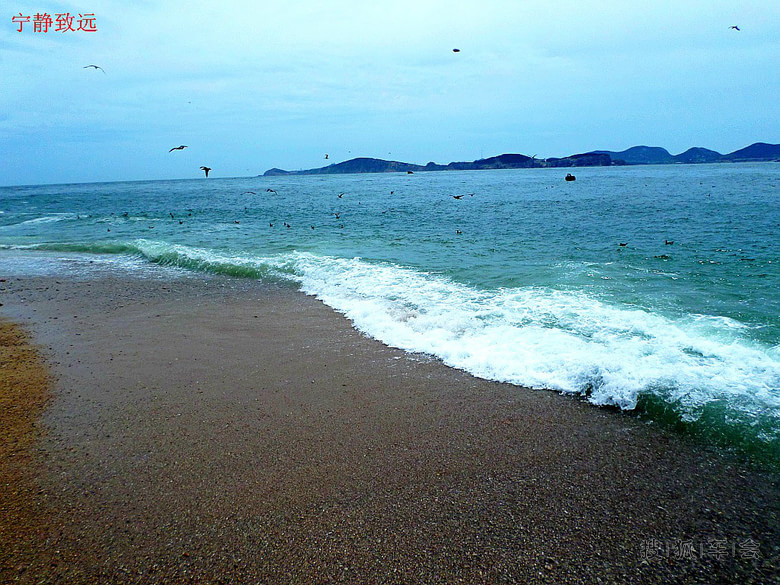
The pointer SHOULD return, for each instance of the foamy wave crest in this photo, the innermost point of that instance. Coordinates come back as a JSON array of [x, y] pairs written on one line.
[[546, 338]]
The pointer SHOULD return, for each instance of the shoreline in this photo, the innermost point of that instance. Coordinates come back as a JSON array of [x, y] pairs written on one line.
[[220, 429]]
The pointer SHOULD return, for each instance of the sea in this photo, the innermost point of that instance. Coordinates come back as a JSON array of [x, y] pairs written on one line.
[[654, 290]]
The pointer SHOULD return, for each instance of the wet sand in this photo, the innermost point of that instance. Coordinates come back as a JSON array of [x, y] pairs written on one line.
[[213, 430], [24, 391]]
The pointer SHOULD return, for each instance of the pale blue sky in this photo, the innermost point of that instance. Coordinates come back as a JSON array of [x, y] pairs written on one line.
[[252, 85]]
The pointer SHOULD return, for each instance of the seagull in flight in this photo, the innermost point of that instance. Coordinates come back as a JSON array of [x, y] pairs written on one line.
[[182, 147], [456, 50], [735, 27], [95, 67], [269, 190], [457, 196], [205, 170]]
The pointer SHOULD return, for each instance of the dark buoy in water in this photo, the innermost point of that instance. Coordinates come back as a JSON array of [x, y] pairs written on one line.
[[570, 177]]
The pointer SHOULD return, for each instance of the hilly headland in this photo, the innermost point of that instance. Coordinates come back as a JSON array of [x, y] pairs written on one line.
[[636, 155]]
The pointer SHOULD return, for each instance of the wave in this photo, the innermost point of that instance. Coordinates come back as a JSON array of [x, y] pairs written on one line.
[[204, 260], [546, 338], [77, 247], [702, 374]]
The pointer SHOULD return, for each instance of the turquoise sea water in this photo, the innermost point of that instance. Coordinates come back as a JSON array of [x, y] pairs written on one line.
[[523, 279]]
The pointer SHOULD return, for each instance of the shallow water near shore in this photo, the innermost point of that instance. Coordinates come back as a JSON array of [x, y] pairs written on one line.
[[652, 289]]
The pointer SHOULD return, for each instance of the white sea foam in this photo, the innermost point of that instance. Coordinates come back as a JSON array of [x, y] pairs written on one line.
[[546, 338]]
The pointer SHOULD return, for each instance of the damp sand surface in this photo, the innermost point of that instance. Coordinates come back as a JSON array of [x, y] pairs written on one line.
[[215, 430]]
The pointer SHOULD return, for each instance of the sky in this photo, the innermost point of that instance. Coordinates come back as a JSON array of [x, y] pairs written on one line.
[[251, 85]]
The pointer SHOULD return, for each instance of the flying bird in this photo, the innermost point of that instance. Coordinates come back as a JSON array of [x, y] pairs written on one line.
[[271, 191], [95, 67], [205, 170], [250, 192], [326, 157], [735, 27], [457, 196], [456, 50], [182, 147]]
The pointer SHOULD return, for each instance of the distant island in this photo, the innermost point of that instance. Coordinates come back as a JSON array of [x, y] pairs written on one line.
[[637, 155]]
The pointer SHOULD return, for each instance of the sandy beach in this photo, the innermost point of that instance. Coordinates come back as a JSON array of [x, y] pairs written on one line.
[[214, 430]]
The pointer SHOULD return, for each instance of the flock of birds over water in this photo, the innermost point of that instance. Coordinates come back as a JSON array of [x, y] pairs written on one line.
[[206, 169], [337, 215]]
